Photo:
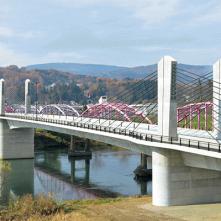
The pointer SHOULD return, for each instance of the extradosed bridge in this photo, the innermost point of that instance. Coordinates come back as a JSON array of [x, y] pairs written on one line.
[[179, 128]]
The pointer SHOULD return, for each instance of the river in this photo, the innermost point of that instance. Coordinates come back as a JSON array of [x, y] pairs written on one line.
[[107, 174]]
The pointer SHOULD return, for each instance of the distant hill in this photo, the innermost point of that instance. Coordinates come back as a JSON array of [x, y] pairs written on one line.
[[83, 69], [109, 71]]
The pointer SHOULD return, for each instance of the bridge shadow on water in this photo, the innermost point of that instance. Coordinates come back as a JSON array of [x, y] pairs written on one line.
[[107, 174]]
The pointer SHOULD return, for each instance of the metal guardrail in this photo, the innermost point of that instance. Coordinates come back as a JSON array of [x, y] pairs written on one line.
[[203, 145]]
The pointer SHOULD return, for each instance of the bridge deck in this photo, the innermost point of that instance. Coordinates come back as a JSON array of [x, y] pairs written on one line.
[[146, 134]]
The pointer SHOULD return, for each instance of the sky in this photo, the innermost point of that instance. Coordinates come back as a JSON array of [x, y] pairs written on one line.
[[114, 32]]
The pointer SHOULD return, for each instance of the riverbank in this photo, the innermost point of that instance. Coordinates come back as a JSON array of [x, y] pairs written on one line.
[[118, 209], [42, 209], [46, 140]]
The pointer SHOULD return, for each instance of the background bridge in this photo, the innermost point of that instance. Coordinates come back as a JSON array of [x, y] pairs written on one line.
[[172, 115]]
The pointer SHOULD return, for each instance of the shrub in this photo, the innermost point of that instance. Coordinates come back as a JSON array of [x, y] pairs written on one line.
[[26, 207]]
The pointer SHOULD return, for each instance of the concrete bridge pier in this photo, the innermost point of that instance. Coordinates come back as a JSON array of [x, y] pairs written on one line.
[[87, 147], [174, 183], [75, 152], [144, 170], [72, 144], [14, 143], [87, 171]]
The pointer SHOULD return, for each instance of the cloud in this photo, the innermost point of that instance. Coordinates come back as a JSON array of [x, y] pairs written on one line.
[[61, 57], [153, 49], [150, 11], [211, 14], [7, 32], [157, 11], [8, 56]]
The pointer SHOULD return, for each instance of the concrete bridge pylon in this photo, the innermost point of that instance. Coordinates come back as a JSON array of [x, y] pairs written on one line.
[[167, 106], [217, 99]]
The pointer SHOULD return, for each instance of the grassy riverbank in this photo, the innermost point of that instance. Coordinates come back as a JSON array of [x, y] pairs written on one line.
[[44, 208], [117, 209]]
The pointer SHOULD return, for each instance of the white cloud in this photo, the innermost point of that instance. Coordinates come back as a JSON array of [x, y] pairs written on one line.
[[10, 33], [153, 48], [150, 11], [61, 57], [77, 3], [8, 56], [5, 32], [157, 11], [211, 14]]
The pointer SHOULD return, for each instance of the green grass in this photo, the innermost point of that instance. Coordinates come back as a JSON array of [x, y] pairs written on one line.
[[73, 205], [195, 122]]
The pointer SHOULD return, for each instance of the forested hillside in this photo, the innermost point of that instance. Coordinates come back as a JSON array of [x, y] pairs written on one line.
[[60, 87]]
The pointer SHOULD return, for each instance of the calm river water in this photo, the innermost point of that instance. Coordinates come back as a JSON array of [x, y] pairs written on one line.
[[107, 174]]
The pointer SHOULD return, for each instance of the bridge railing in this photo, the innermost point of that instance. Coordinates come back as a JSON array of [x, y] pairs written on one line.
[[214, 145]]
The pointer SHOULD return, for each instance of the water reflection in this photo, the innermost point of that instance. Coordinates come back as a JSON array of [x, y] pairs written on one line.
[[18, 181], [86, 169], [108, 173]]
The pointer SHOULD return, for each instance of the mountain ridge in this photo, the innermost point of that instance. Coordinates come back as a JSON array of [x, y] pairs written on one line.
[[112, 71]]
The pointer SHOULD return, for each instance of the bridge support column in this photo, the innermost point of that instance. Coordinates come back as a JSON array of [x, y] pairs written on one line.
[[16, 143], [217, 99], [72, 143], [75, 152], [174, 183], [167, 107], [144, 170], [87, 171], [87, 145], [143, 160], [27, 96]]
